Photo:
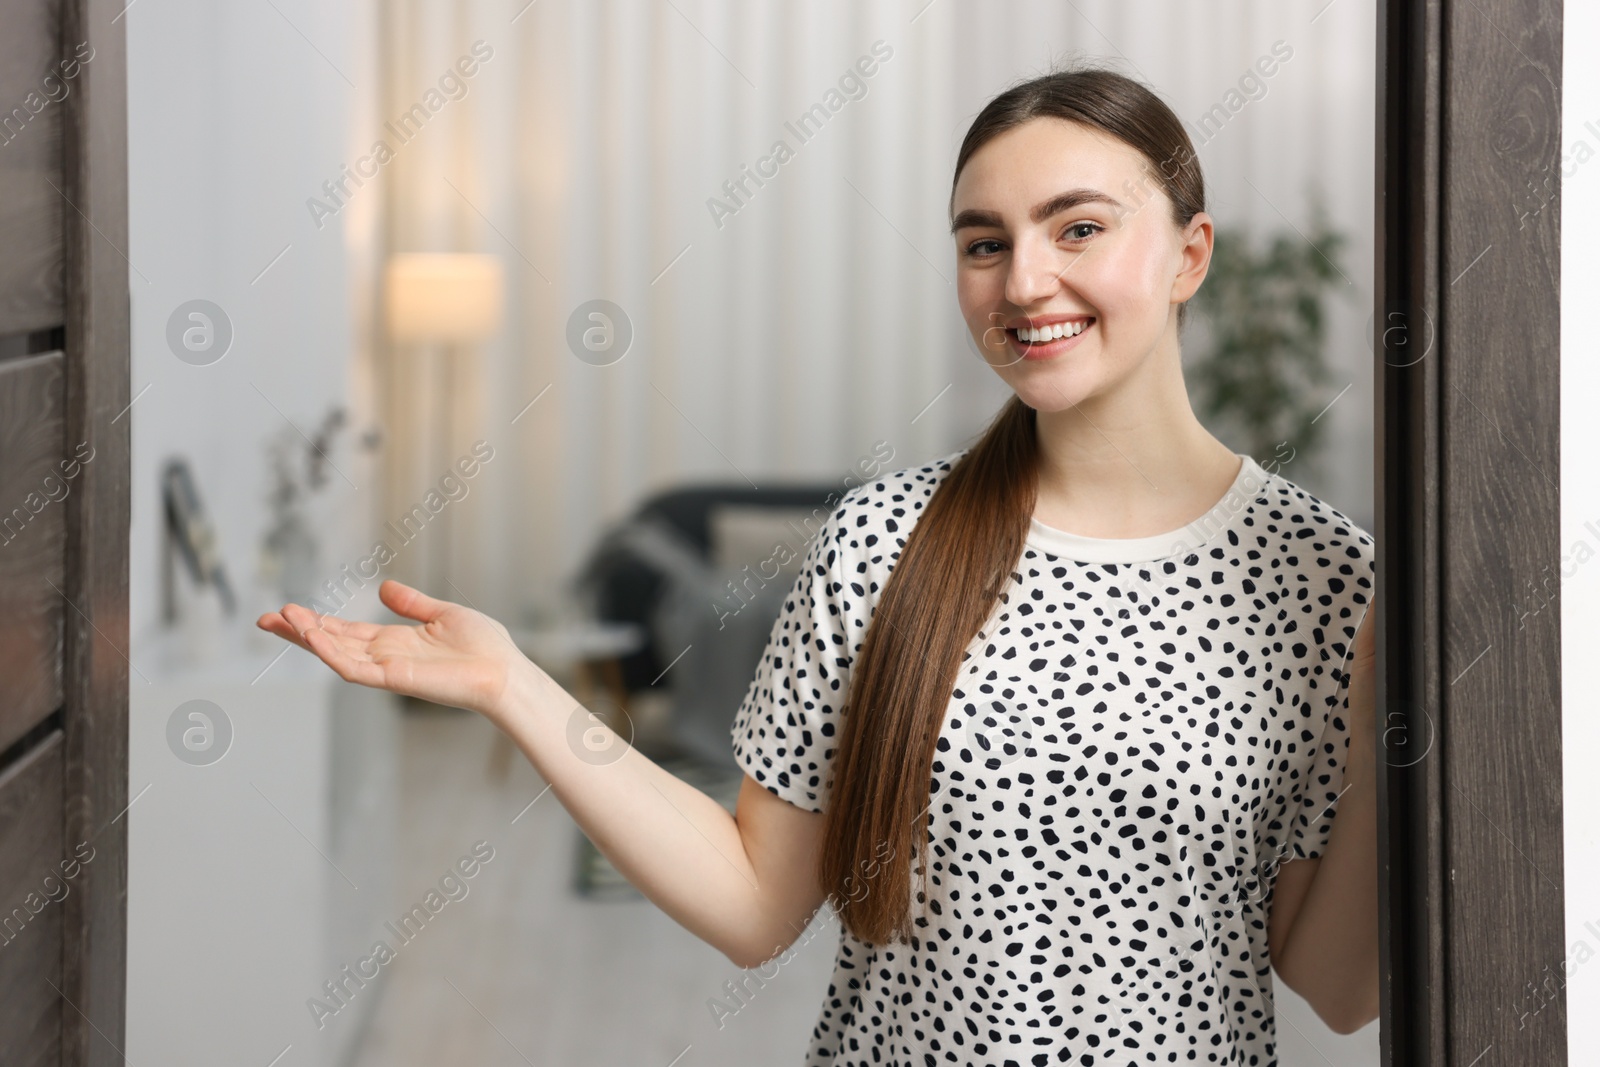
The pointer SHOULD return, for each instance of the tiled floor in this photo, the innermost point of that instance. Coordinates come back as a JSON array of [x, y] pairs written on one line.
[[522, 971]]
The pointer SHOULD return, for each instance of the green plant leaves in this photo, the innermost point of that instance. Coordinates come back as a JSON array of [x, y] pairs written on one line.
[[1258, 376]]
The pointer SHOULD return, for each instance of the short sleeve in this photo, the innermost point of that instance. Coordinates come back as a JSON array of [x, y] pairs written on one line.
[[785, 731], [1324, 780]]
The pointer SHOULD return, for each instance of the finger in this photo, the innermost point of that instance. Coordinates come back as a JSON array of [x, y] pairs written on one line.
[[302, 619], [412, 603], [333, 624], [274, 623], [360, 631], [346, 666]]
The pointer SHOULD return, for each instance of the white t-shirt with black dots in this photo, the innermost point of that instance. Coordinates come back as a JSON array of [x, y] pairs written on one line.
[[1142, 733]]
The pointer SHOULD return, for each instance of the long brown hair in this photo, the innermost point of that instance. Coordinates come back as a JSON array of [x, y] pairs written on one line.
[[958, 557]]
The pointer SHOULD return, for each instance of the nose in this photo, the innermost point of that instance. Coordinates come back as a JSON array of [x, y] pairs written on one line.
[[1035, 272]]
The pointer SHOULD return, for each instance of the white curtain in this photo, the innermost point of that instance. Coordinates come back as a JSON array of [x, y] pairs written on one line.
[[820, 317]]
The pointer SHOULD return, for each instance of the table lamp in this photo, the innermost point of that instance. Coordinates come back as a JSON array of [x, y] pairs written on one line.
[[445, 298]]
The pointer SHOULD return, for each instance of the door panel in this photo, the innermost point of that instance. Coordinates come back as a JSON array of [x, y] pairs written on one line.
[[34, 484], [31, 891], [64, 499], [1466, 328], [33, 87]]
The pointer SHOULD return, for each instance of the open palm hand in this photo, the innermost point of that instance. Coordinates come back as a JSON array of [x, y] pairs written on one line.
[[458, 657]]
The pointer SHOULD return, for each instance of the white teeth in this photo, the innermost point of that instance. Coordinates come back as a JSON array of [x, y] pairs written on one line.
[[1050, 333]]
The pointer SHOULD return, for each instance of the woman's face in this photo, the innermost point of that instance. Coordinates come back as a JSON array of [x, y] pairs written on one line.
[[1060, 223]]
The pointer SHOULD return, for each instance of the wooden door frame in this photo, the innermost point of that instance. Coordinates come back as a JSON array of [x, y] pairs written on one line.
[[95, 663], [1467, 329]]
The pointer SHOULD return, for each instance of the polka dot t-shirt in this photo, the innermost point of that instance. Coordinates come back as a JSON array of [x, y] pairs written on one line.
[[1143, 732]]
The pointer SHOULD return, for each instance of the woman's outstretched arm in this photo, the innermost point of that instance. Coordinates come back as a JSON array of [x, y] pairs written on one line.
[[744, 884]]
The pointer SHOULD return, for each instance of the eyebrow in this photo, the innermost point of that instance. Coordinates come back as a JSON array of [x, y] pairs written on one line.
[[1056, 204]]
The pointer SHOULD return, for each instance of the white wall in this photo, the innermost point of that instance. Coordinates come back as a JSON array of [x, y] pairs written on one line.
[[236, 114], [1577, 591], [234, 119]]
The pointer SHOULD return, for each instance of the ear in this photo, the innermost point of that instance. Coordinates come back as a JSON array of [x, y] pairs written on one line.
[[1194, 257]]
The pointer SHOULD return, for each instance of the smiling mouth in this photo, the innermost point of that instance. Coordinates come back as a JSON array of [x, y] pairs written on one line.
[[1044, 341]]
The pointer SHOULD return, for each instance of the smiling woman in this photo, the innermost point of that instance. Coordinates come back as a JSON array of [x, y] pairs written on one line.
[[1121, 739]]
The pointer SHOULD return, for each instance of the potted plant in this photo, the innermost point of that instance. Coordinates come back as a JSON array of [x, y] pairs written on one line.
[[1259, 376]]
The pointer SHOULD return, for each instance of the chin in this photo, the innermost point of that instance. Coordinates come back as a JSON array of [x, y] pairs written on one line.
[[1052, 389]]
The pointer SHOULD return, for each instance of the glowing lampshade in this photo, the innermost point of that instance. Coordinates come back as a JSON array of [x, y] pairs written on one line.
[[441, 297]]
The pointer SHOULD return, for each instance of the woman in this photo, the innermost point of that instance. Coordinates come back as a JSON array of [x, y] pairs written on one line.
[[1059, 723]]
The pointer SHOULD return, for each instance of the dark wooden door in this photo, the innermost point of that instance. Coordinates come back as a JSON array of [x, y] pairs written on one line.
[[1467, 326], [63, 532]]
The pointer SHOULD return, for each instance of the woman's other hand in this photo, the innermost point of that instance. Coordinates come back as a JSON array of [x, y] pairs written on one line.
[[457, 657]]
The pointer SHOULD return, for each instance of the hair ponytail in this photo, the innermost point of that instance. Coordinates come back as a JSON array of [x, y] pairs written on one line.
[[957, 560]]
